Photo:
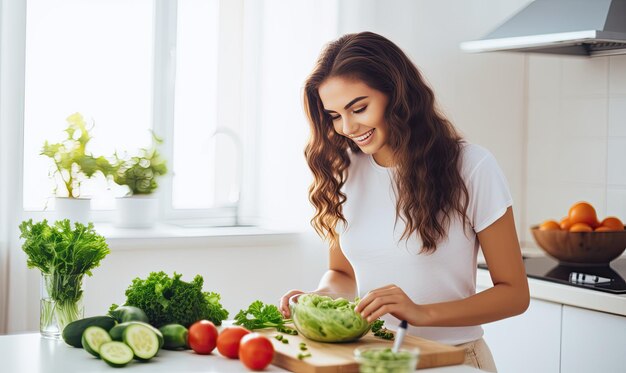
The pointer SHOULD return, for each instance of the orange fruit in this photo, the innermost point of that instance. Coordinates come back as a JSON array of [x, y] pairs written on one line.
[[603, 229], [565, 224], [613, 223], [580, 227], [583, 212], [549, 225]]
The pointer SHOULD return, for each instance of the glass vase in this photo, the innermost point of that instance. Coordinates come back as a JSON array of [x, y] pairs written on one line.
[[61, 303]]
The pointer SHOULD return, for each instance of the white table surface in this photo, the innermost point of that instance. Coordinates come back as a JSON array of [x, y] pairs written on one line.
[[29, 353]]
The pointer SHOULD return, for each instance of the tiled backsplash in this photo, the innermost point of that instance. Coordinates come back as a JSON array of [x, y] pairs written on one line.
[[576, 136]]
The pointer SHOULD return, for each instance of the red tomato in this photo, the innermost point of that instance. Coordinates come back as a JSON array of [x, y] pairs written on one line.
[[228, 341], [202, 337], [256, 351]]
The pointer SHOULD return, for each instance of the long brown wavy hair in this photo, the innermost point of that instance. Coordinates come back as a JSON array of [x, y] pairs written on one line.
[[425, 145]]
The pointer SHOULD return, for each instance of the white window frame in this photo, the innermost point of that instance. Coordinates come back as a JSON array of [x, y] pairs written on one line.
[[230, 106]]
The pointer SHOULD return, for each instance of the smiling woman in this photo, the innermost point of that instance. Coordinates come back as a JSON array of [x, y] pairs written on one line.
[[404, 201]]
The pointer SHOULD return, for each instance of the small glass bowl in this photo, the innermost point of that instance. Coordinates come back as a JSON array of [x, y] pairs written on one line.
[[378, 359]]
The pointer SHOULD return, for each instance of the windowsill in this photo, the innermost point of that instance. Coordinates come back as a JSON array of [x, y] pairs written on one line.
[[164, 235]]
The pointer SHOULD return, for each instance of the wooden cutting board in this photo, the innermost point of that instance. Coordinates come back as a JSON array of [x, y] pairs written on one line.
[[339, 357]]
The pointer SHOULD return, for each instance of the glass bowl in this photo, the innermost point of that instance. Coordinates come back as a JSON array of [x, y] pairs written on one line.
[[327, 317], [374, 359]]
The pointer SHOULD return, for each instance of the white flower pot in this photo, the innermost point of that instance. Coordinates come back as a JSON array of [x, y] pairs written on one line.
[[74, 209], [136, 211]]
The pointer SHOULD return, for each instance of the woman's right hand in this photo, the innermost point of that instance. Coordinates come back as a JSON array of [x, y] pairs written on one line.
[[284, 302]]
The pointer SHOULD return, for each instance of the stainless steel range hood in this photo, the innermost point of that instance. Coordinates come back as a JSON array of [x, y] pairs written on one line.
[[571, 27]]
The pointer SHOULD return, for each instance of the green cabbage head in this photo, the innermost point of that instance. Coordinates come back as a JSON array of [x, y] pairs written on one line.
[[324, 319]]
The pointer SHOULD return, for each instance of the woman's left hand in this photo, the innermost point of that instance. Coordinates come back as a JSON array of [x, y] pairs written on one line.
[[388, 299]]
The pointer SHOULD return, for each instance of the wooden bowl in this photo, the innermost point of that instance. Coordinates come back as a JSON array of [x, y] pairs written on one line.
[[581, 248]]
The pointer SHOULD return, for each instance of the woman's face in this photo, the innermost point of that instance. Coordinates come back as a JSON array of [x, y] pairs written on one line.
[[358, 113]]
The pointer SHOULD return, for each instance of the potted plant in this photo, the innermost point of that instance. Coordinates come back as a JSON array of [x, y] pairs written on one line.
[[139, 208], [73, 164]]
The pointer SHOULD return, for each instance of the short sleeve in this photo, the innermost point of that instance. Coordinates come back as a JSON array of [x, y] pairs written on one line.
[[489, 194]]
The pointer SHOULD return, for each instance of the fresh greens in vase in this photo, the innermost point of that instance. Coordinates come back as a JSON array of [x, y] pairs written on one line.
[[64, 255]]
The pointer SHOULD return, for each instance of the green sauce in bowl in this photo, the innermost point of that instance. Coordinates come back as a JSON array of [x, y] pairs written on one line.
[[382, 359]]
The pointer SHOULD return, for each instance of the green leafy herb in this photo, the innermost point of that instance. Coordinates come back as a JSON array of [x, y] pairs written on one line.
[[380, 331], [302, 356], [64, 255], [261, 316], [168, 300]]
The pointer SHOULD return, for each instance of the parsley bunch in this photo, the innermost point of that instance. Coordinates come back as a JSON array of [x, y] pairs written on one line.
[[65, 254], [261, 316]]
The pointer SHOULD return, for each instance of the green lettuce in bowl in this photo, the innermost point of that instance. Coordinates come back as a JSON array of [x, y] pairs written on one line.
[[327, 318]]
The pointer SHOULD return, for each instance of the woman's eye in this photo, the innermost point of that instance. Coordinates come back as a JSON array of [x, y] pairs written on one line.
[[335, 117], [360, 110]]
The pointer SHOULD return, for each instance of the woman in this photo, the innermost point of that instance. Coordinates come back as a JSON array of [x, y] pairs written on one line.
[[404, 202]]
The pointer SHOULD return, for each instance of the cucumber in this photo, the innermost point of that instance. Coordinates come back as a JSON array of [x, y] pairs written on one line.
[[128, 313], [117, 332], [116, 354], [142, 340], [174, 336], [93, 338], [73, 332]]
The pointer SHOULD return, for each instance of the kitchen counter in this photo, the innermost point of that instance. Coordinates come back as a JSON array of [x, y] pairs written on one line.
[[31, 353], [564, 294]]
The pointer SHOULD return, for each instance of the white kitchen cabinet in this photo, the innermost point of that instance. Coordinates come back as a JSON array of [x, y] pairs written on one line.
[[592, 341], [529, 342]]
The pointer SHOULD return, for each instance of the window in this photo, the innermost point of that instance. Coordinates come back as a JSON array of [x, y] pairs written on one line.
[[131, 66], [219, 80]]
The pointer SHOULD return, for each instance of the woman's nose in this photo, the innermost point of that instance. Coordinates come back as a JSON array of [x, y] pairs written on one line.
[[349, 126]]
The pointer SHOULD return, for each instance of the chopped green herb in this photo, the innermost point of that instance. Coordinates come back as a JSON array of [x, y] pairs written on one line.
[[304, 355], [285, 341], [380, 331]]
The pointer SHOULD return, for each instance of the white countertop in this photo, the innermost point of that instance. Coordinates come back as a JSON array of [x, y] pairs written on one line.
[[564, 294], [31, 353]]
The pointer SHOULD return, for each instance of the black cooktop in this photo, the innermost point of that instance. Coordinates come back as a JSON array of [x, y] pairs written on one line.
[[609, 278]]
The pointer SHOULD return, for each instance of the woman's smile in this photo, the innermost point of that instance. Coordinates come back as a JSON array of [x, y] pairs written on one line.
[[365, 138]]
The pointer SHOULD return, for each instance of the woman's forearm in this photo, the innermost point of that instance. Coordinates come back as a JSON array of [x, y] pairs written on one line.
[[496, 303], [337, 282]]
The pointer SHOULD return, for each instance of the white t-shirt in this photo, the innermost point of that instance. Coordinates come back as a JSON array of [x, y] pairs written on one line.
[[371, 240]]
